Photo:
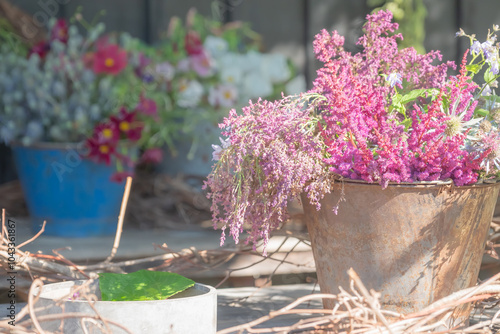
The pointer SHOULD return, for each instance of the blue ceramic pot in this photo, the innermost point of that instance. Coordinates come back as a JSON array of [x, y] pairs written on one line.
[[73, 194]]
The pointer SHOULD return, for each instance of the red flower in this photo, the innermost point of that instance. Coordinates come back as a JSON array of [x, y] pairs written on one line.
[[107, 132], [100, 151], [41, 49], [120, 176], [60, 31], [109, 58], [192, 43], [126, 123], [152, 155], [147, 106]]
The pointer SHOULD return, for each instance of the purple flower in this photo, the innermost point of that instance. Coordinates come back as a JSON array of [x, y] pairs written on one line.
[[202, 64], [218, 150], [394, 78], [475, 48]]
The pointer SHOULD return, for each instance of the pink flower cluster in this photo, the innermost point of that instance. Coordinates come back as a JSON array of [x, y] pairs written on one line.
[[366, 139], [272, 155], [382, 115]]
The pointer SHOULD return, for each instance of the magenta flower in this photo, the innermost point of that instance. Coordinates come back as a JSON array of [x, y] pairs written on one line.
[[60, 31], [202, 64], [109, 58], [126, 123], [100, 150], [147, 106], [119, 177], [41, 49], [193, 44], [152, 156]]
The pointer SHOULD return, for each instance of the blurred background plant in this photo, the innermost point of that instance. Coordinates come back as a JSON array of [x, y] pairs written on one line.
[[202, 68], [74, 87]]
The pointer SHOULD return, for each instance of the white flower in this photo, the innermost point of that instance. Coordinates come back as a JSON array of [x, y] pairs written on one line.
[[251, 61], [231, 75], [275, 66], [256, 85], [218, 150], [216, 46], [223, 95], [190, 93], [296, 86], [231, 59], [165, 70], [183, 65]]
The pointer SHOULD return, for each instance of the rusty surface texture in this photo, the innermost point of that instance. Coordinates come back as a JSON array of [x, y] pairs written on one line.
[[412, 243]]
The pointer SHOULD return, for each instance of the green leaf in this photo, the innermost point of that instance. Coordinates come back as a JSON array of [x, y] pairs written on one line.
[[474, 68], [141, 285], [489, 76], [413, 95], [482, 112]]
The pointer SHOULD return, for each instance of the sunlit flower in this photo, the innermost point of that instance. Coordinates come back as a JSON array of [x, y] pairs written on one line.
[[394, 78], [219, 149]]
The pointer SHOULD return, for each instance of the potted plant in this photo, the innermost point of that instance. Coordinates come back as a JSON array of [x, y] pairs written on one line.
[[139, 302], [76, 114], [204, 68], [395, 162]]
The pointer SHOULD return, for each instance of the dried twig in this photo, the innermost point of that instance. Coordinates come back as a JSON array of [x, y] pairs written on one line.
[[119, 228]]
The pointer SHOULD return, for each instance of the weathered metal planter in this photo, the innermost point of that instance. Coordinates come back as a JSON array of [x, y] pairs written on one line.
[[193, 311], [413, 243]]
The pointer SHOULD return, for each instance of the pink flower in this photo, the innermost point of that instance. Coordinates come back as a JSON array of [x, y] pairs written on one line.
[[202, 64], [152, 155], [41, 49], [147, 106], [109, 58], [193, 43], [121, 176], [60, 31]]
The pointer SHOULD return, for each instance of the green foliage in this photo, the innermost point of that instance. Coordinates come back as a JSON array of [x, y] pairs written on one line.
[[410, 15], [142, 285]]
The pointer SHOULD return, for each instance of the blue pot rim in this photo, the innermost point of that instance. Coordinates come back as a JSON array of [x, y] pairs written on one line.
[[51, 145]]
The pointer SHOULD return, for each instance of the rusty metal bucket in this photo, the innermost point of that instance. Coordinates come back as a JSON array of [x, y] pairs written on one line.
[[413, 243]]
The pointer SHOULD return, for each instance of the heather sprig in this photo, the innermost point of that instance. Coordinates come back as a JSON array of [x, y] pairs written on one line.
[[275, 154]]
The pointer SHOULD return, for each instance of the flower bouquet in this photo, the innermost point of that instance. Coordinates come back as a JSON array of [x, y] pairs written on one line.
[[202, 68], [77, 113], [385, 118]]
